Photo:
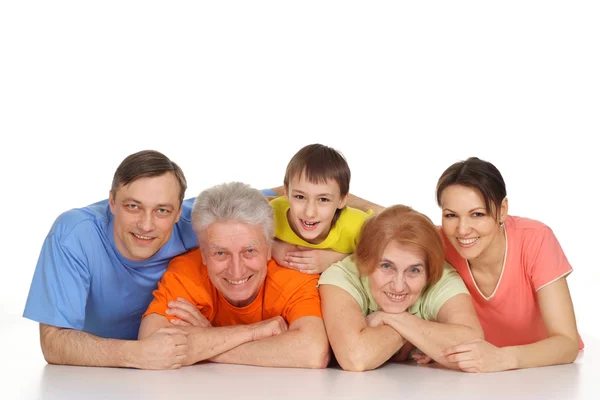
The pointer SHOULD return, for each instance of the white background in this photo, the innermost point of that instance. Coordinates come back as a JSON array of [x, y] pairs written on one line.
[[231, 90]]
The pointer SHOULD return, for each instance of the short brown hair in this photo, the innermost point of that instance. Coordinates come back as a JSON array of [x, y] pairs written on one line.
[[147, 164], [404, 225], [477, 174], [319, 163]]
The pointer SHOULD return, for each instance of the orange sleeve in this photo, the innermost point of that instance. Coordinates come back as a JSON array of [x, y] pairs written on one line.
[[304, 301], [183, 279]]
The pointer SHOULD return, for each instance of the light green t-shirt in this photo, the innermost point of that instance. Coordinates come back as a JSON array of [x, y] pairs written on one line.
[[345, 275]]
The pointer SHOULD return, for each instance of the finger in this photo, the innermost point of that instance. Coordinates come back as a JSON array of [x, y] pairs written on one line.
[[175, 366], [404, 352], [468, 365], [422, 359], [461, 348], [178, 322], [298, 260], [179, 340], [181, 349], [173, 331], [182, 304], [460, 357]]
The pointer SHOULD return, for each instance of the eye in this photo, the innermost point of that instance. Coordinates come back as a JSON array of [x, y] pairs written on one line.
[[132, 206], [163, 211], [385, 266], [449, 215], [324, 199], [299, 197], [250, 251], [478, 214], [415, 270]]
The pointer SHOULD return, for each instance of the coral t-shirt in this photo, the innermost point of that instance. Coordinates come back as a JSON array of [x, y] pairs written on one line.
[[511, 315], [285, 292]]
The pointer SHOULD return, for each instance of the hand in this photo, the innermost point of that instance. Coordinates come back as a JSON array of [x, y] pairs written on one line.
[[279, 250], [376, 318], [312, 261], [186, 314], [165, 349], [269, 327], [478, 356]]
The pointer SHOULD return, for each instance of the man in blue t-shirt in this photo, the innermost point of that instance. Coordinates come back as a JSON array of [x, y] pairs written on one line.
[[99, 265]]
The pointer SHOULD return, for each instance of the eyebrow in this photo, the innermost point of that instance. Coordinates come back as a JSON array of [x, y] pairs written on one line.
[[318, 195], [418, 264], [474, 209], [132, 200]]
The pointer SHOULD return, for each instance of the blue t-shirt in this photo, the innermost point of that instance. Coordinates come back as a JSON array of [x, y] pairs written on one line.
[[82, 282]]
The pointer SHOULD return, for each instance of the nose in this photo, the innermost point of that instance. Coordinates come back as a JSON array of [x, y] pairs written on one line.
[[235, 267], [398, 282], [146, 222], [463, 227], [310, 211]]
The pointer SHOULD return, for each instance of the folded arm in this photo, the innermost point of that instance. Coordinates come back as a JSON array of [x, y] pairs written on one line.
[[204, 342], [562, 344], [304, 345], [357, 346], [164, 350], [456, 323]]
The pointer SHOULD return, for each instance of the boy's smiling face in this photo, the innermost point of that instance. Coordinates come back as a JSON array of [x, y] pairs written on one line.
[[312, 207]]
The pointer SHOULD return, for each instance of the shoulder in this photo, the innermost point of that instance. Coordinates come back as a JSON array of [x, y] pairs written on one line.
[[354, 214], [526, 230], [286, 279], [280, 204], [82, 222], [189, 263], [341, 271]]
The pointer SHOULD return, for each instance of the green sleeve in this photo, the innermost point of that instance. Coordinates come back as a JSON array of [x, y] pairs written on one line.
[[449, 285], [344, 274]]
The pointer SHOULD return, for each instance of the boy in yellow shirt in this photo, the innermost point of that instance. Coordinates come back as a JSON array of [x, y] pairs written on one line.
[[313, 226]]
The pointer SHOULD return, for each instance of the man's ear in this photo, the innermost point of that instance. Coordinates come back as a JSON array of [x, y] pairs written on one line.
[[111, 201]]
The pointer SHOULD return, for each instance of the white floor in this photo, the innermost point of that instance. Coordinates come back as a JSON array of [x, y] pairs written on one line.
[[25, 375]]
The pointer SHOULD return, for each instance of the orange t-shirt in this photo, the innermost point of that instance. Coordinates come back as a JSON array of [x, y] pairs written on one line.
[[511, 315], [285, 292]]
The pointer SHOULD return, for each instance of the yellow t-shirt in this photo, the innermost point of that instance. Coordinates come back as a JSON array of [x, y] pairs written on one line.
[[344, 274], [342, 237]]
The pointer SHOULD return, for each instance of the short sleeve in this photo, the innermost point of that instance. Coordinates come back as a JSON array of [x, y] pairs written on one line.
[[344, 274], [173, 284], [434, 298], [304, 302], [60, 286], [545, 260]]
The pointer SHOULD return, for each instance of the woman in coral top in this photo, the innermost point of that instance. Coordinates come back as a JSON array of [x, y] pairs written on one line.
[[515, 271]]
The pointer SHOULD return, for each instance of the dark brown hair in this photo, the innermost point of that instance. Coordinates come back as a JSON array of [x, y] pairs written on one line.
[[478, 174], [146, 164], [404, 225], [319, 163]]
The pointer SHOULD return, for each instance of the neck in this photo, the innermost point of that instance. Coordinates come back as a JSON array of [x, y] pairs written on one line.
[[492, 259]]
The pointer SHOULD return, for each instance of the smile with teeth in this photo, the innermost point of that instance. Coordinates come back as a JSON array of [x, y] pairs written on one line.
[[396, 297], [309, 224], [240, 282], [142, 237], [467, 241]]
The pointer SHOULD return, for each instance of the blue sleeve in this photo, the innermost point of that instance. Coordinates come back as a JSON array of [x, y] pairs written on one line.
[[59, 288], [269, 192]]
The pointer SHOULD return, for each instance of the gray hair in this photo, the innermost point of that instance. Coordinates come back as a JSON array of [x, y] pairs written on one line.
[[233, 201]]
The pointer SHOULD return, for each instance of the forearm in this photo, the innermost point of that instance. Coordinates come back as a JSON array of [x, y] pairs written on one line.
[[294, 349], [432, 337], [362, 204], [367, 350], [206, 343], [72, 347], [551, 351]]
